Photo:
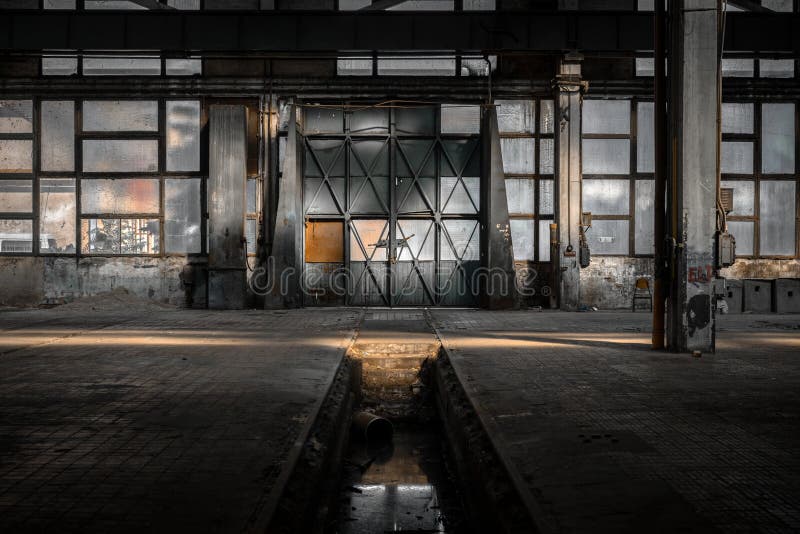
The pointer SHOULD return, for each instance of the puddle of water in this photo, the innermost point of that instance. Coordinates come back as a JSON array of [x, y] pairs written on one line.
[[403, 486]]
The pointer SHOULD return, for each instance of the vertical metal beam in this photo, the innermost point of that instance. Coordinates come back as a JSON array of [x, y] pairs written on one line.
[[569, 88], [694, 63], [498, 288], [286, 262], [659, 207], [227, 173]]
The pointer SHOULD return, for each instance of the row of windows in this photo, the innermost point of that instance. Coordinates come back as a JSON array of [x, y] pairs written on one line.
[[343, 5], [100, 177]]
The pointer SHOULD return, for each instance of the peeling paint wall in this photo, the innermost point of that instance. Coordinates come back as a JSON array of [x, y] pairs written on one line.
[[608, 282], [762, 269]]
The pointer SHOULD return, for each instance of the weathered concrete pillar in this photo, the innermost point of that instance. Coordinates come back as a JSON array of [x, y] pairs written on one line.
[[693, 71], [569, 89], [498, 288], [286, 263], [227, 172]]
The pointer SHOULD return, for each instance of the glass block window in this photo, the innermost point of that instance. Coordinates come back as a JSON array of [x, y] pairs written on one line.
[[526, 141], [759, 151]]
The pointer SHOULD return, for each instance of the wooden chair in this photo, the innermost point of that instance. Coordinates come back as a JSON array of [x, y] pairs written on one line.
[[642, 291]]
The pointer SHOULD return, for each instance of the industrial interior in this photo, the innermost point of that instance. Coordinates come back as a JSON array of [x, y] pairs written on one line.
[[399, 265]]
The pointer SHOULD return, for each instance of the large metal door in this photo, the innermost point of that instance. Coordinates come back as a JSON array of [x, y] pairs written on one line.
[[407, 198]]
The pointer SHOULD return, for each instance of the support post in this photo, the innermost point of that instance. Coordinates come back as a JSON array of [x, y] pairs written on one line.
[[569, 88], [693, 70], [286, 263], [659, 207], [227, 276]]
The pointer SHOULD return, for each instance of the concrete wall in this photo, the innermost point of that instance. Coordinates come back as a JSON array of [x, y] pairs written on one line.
[[608, 282], [32, 281], [767, 269]]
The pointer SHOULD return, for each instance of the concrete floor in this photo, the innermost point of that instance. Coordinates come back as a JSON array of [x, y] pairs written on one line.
[[181, 420]]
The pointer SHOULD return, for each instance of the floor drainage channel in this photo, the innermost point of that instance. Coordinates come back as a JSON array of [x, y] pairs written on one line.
[[396, 446]]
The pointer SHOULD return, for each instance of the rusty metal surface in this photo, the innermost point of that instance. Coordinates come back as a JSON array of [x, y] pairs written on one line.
[[324, 241]]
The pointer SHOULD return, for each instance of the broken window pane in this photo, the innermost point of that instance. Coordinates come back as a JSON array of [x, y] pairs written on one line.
[[643, 231], [738, 68], [117, 66], [418, 66], [546, 195], [606, 197], [522, 238], [743, 197], [57, 212], [519, 155], [544, 240], [645, 137], [16, 196], [606, 156], [545, 156], [608, 237], [59, 65], [737, 157], [16, 156], [16, 235], [16, 116], [120, 236], [461, 119], [519, 192], [123, 196], [182, 216], [120, 116], [742, 232], [58, 136], [737, 118], [183, 67], [516, 116], [460, 240], [183, 135], [120, 155], [606, 117], [546, 117], [777, 138], [354, 66], [776, 68], [777, 218]]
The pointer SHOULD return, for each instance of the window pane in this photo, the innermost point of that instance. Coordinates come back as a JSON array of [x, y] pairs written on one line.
[[120, 236], [120, 116], [117, 66], [645, 138], [251, 236], [737, 118], [738, 68], [742, 231], [183, 135], [369, 232], [519, 192], [546, 194], [777, 138], [16, 196], [16, 116], [354, 66], [544, 240], [606, 116], [776, 68], [546, 117], [16, 235], [183, 67], [518, 155], [643, 234], [608, 237], [737, 157], [58, 136], [16, 155], [182, 217], [777, 218], [250, 196], [415, 120], [420, 236], [516, 116], [545, 156], [120, 155], [743, 197], [645, 66], [477, 66], [606, 197], [522, 238], [420, 66], [57, 208], [460, 196], [59, 65], [606, 156], [124, 196], [461, 119], [464, 236]]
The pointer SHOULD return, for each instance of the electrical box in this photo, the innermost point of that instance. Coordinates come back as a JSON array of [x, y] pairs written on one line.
[[726, 250]]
